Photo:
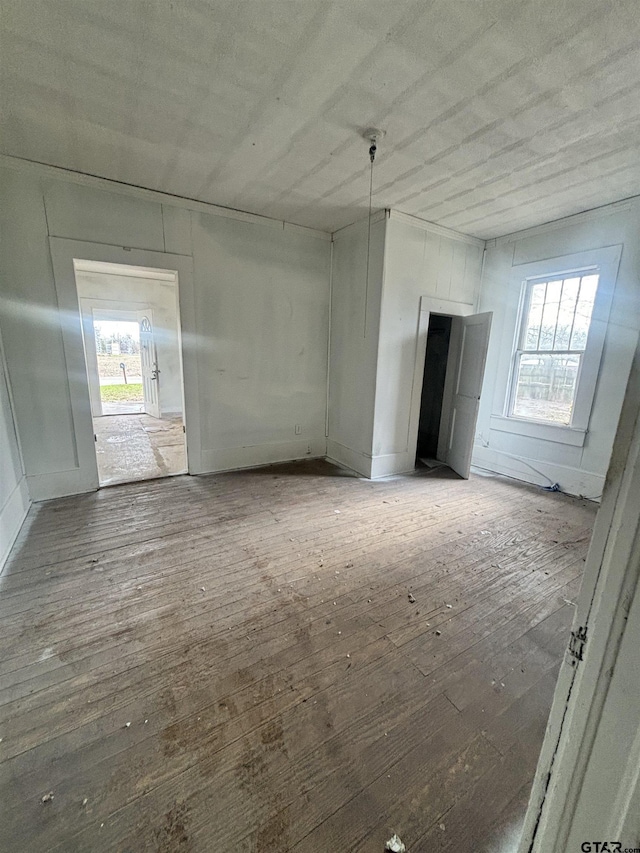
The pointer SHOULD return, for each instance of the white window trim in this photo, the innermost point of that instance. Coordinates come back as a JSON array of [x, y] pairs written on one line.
[[605, 261]]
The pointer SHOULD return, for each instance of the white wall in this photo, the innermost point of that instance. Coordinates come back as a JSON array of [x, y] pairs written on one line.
[[355, 322], [14, 498], [101, 290], [260, 330], [578, 470], [262, 296], [262, 318], [420, 260]]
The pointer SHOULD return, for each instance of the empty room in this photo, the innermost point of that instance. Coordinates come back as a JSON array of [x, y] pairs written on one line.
[[319, 426]]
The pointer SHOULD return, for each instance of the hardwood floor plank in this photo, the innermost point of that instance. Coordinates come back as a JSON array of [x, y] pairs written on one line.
[[255, 630]]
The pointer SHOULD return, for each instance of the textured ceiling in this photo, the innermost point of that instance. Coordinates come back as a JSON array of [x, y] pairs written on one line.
[[500, 114]]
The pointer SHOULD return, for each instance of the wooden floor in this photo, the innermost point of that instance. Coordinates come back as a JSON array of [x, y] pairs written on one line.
[[232, 663]]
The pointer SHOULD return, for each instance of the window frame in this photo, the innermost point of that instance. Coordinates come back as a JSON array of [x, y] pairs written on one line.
[[605, 263], [523, 313]]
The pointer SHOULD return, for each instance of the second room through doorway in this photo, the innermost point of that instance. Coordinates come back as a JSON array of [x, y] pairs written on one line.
[[131, 334]]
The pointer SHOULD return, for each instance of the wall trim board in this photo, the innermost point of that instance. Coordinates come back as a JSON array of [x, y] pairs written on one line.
[[63, 251], [434, 228], [390, 464], [58, 484], [542, 431], [566, 222], [573, 481], [238, 458], [12, 517], [122, 270], [16, 506], [57, 172], [376, 217], [355, 460], [329, 325]]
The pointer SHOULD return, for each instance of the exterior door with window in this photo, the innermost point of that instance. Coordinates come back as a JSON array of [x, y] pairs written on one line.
[[472, 356], [149, 364]]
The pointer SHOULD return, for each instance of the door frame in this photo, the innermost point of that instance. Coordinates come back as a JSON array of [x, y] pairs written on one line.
[[610, 583], [432, 305], [84, 476], [87, 317]]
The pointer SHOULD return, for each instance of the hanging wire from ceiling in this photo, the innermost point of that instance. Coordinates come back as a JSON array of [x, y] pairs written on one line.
[[372, 135]]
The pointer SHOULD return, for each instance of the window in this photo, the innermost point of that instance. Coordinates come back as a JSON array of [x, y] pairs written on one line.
[[556, 316], [552, 340]]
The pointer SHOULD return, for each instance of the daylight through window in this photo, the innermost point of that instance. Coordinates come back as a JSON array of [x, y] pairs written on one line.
[[553, 338]]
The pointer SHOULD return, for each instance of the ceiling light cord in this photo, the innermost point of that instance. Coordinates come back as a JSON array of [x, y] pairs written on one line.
[[372, 157]]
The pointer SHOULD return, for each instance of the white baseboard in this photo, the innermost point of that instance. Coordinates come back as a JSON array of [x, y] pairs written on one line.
[[234, 458], [353, 459], [12, 517], [388, 464], [372, 467], [573, 481], [59, 484]]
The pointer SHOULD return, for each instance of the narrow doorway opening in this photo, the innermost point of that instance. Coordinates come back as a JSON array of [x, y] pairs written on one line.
[[433, 392], [131, 335], [117, 343]]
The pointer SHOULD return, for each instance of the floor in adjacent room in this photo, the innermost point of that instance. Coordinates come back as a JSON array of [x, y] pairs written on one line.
[[235, 662], [138, 447]]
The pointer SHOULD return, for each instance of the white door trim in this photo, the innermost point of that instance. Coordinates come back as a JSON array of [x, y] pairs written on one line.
[[430, 305], [84, 477]]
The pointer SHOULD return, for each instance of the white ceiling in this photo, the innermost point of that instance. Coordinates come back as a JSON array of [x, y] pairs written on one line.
[[500, 114]]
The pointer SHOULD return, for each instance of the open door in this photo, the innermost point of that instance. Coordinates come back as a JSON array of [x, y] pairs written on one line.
[[149, 362], [474, 342]]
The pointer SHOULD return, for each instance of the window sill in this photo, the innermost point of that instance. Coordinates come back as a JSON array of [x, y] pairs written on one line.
[[545, 432]]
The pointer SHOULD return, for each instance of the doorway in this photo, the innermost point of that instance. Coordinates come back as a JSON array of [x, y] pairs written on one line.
[[433, 382], [131, 336], [117, 342], [448, 384]]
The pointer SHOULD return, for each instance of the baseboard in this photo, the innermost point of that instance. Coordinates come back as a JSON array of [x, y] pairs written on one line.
[[353, 459], [388, 464], [12, 517], [573, 481], [252, 456], [59, 484]]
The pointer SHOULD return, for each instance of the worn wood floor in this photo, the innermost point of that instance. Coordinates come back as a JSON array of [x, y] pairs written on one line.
[[233, 663]]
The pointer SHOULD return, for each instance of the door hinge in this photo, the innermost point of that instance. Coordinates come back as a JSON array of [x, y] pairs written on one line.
[[95, 437], [577, 643]]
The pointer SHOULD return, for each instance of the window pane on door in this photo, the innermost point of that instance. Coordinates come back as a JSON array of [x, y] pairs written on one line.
[[545, 386]]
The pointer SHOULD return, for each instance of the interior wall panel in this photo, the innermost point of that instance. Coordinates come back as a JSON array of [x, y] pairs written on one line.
[[418, 262], [262, 315], [579, 470]]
